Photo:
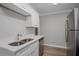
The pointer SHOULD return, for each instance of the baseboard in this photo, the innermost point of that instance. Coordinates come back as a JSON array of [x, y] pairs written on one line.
[[55, 46]]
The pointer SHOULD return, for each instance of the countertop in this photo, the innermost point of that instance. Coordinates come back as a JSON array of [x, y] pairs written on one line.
[[4, 42]]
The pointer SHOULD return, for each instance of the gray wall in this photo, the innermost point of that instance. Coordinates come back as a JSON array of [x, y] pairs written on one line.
[[11, 23], [53, 29]]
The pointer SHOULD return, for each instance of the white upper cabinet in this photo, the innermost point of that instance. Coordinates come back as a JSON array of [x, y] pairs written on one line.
[[32, 22], [32, 17]]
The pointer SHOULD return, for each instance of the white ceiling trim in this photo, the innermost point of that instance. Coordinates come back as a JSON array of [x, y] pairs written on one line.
[[58, 12]]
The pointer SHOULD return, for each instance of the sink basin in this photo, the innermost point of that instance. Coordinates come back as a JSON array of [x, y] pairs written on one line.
[[18, 43]]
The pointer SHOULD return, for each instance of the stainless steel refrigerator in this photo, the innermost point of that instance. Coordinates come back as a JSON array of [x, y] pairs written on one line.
[[72, 33]]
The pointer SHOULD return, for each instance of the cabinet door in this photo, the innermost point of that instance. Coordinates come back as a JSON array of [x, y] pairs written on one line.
[[28, 21], [30, 50], [31, 21], [35, 20], [34, 52]]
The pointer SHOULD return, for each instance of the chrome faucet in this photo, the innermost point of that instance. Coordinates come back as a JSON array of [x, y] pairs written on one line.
[[18, 35]]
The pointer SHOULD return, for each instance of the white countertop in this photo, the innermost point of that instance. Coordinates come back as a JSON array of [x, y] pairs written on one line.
[[4, 42]]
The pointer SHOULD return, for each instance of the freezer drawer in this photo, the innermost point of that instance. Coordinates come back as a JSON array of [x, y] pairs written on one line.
[[71, 44]]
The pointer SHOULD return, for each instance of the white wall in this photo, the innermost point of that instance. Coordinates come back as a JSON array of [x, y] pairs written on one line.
[[11, 23], [53, 29]]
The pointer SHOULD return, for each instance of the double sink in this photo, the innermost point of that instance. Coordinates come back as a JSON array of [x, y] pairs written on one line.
[[21, 42]]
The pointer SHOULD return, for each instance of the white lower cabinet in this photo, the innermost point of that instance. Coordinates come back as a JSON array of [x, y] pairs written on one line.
[[30, 50]]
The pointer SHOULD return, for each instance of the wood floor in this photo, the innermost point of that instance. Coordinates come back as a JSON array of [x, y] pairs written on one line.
[[53, 51]]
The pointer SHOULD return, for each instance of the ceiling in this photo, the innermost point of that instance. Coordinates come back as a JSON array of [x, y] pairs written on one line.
[[48, 8]]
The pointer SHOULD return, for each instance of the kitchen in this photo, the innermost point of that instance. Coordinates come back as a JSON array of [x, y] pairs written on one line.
[[27, 30]]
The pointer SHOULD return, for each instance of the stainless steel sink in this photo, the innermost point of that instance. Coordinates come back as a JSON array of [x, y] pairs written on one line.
[[18, 43]]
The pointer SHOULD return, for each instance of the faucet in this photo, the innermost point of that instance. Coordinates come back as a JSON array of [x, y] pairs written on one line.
[[18, 35]]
